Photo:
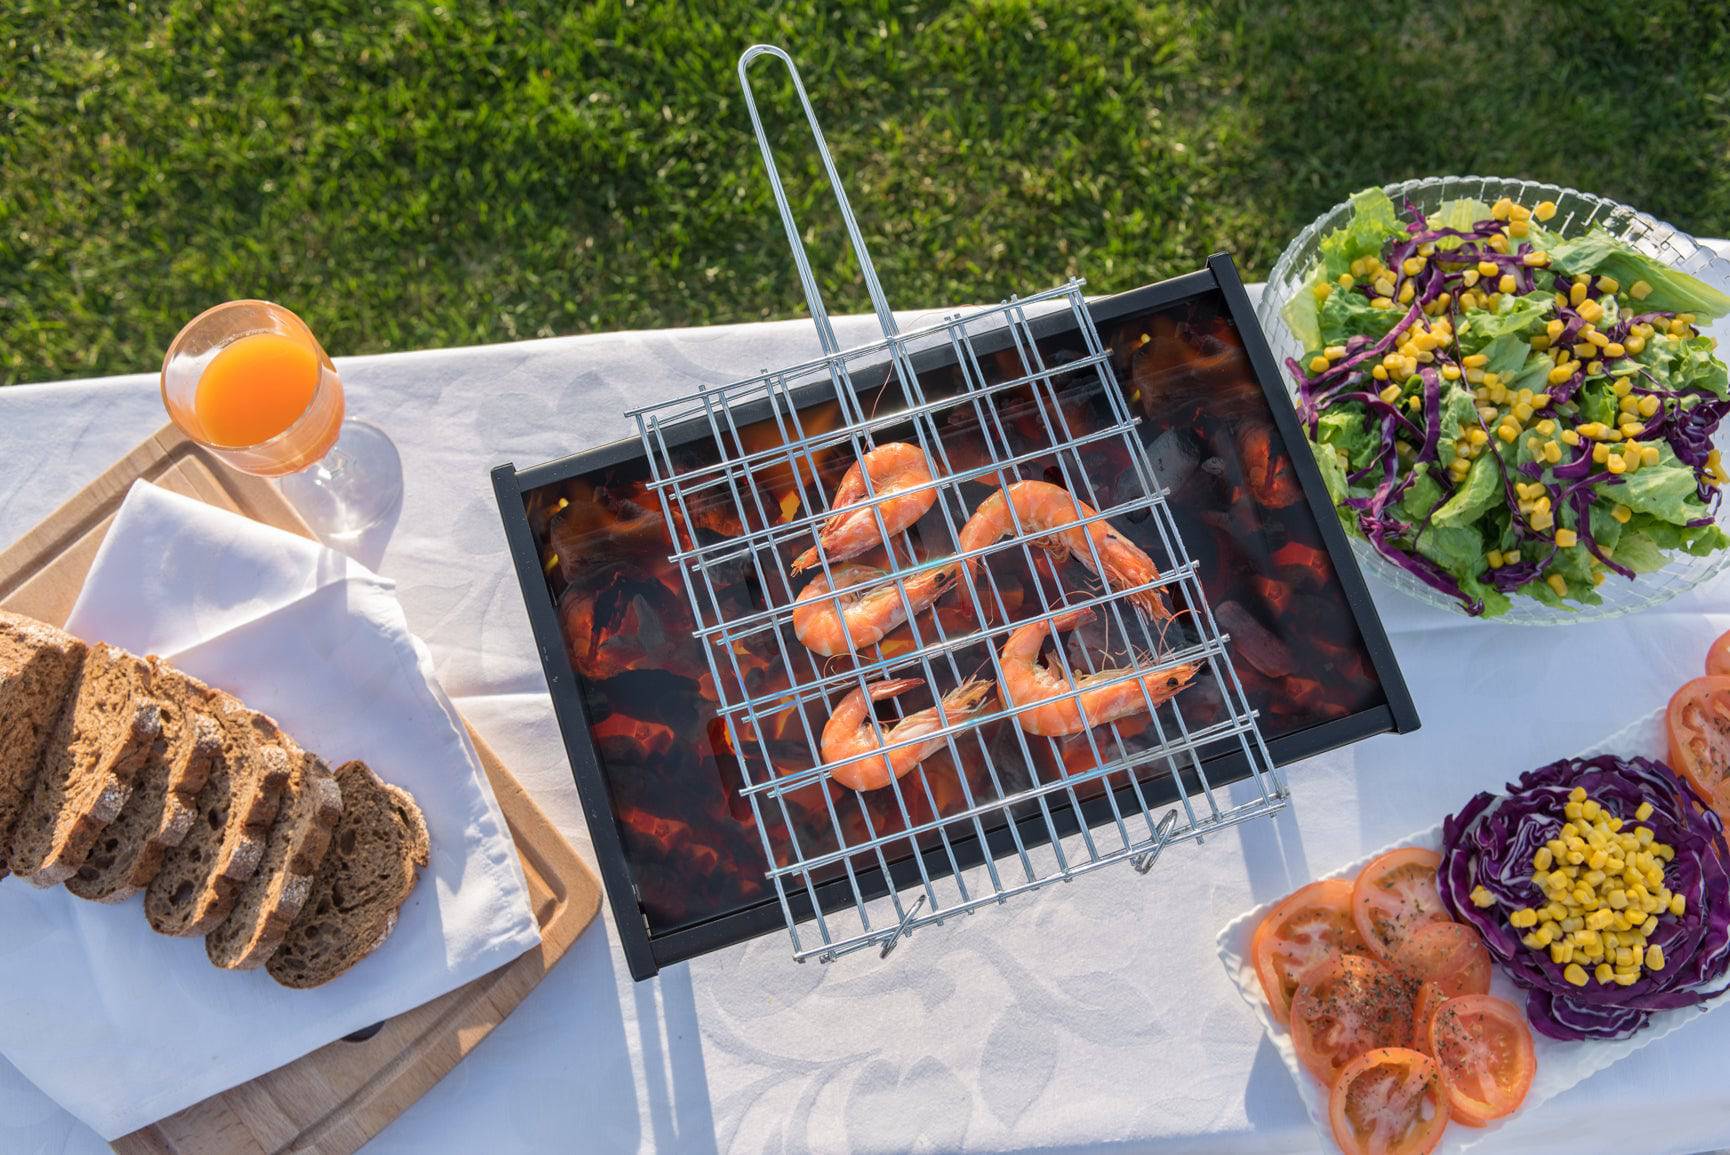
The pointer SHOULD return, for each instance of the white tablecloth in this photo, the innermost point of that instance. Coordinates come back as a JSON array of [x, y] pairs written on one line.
[[1090, 1015]]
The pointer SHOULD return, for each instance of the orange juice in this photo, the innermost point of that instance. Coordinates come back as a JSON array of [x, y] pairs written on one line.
[[256, 388]]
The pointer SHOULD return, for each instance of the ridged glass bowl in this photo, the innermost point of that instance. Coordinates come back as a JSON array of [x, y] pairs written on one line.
[[1576, 211]]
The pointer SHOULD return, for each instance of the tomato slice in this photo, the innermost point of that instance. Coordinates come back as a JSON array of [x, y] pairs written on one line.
[[1718, 657], [1430, 997], [1395, 894], [1448, 954], [1390, 1101], [1485, 1050], [1346, 1006], [1699, 723], [1308, 927]]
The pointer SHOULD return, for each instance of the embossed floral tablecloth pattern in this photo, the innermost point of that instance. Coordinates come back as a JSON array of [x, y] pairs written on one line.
[[1094, 1014]]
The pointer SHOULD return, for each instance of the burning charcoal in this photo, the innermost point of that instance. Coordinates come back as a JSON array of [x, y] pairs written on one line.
[[1254, 642], [1269, 471], [1174, 455]]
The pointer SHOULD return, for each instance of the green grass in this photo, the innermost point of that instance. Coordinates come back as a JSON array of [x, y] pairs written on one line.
[[410, 174]]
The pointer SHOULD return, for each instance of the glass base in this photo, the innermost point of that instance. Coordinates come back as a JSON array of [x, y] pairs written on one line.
[[355, 487]]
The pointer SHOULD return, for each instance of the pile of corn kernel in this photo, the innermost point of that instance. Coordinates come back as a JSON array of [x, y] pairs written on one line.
[[1606, 894]]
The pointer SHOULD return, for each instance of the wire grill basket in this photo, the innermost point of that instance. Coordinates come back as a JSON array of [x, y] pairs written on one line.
[[1138, 652]]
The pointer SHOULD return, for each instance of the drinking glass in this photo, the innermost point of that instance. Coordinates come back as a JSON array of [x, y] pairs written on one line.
[[343, 477]]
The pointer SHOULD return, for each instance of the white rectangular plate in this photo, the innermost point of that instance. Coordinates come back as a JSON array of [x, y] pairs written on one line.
[[1560, 1065]]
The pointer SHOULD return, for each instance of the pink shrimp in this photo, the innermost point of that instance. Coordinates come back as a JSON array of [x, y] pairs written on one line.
[[1033, 684], [852, 526], [870, 613], [850, 735], [1040, 506]]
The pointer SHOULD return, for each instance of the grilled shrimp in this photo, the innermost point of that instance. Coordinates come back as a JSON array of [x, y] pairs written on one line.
[[1039, 505], [849, 733], [852, 527], [1032, 684], [870, 613]]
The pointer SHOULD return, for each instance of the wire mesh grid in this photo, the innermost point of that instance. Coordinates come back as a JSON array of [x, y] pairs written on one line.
[[829, 856]]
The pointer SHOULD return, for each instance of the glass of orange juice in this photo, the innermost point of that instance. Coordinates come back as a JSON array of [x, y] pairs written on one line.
[[248, 381]]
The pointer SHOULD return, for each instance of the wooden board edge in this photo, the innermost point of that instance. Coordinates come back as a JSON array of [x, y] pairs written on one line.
[[474, 1009]]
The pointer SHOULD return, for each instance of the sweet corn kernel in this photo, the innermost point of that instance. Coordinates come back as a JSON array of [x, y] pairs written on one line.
[[1390, 394], [1560, 374], [1570, 437], [1566, 538], [1380, 372], [1639, 290], [1604, 973], [1481, 897], [1615, 349], [1554, 328], [1601, 454], [1502, 209], [1654, 957], [1477, 436], [1634, 345], [1521, 918], [1576, 295], [1499, 242], [1544, 211], [1474, 361], [1615, 463], [1383, 286], [1318, 364], [1506, 283], [1382, 302], [1552, 453], [1536, 259], [1561, 953], [1591, 310], [1412, 266], [1594, 369], [1678, 905], [1522, 412], [1470, 277], [1621, 513], [1407, 292], [1608, 284], [1451, 372], [1575, 974], [1507, 432], [1541, 520]]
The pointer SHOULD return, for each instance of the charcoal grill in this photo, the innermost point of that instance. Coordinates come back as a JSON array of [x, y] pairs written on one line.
[[739, 476]]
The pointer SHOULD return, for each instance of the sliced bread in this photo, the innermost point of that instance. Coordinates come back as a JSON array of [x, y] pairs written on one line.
[[106, 734], [37, 666], [377, 854], [269, 902], [160, 812], [199, 880]]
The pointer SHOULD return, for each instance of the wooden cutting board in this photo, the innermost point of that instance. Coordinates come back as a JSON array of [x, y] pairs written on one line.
[[338, 1097]]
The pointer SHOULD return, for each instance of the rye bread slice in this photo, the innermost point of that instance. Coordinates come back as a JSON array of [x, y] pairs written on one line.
[[37, 666], [198, 882], [269, 902], [380, 846], [106, 734], [160, 812]]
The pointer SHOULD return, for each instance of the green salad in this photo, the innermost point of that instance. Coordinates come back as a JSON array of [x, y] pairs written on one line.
[[1502, 410]]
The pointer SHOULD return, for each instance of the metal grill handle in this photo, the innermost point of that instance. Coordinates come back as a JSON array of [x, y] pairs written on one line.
[[813, 294]]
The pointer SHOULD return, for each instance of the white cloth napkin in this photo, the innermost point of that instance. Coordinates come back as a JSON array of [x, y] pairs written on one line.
[[122, 1026], [1561, 1065]]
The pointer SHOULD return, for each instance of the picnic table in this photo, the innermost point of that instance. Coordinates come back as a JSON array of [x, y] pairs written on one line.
[[1085, 1016]]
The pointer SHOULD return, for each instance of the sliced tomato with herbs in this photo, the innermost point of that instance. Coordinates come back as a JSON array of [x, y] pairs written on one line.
[[1394, 895], [1390, 1101], [1429, 998], [1307, 928], [1348, 1005], [1718, 657], [1485, 1050], [1448, 954], [1699, 724]]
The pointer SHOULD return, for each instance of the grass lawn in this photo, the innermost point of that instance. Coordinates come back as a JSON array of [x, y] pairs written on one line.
[[408, 173]]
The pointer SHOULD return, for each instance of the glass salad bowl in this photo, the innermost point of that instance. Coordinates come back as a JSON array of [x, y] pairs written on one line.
[[1576, 212]]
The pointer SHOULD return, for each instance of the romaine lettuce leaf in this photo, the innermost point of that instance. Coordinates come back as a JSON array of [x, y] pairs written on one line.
[[1346, 428], [1482, 489], [1457, 548], [1522, 317], [1599, 253], [1461, 215], [1459, 412], [1667, 491], [1373, 221], [1345, 315], [1299, 314]]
